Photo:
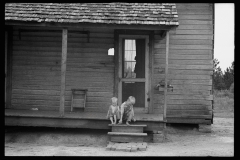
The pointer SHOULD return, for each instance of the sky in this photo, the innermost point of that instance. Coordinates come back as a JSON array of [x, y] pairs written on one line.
[[224, 34]]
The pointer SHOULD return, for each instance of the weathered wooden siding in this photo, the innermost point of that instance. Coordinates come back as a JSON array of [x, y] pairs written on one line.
[[89, 66], [190, 62], [37, 68]]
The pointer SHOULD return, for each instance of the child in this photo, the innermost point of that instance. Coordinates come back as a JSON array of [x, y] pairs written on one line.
[[127, 112], [113, 112]]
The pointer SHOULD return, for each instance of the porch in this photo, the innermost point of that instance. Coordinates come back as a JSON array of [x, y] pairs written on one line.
[[90, 120]]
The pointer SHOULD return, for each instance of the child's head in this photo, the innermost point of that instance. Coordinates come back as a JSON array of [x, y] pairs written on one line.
[[132, 100], [114, 100]]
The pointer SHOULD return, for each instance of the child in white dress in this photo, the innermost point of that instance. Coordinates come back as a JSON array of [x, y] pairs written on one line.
[[113, 112]]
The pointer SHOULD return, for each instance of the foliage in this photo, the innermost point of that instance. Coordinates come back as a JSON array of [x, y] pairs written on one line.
[[222, 81], [228, 76], [231, 89], [223, 100], [218, 82]]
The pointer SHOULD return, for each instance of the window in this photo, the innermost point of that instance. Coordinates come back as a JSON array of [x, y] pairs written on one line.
[[111, 52], [129, 58]]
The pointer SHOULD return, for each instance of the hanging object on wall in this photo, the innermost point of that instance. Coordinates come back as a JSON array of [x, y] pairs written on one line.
[[160, 86]]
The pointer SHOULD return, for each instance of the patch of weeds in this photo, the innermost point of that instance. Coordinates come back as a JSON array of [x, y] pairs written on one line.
[[223, 100]]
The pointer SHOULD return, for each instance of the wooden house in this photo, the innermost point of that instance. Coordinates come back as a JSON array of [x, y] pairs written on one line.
[[163, 56]]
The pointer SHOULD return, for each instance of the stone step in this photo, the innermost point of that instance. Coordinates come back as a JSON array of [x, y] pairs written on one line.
[[126, 137], [128, 128]]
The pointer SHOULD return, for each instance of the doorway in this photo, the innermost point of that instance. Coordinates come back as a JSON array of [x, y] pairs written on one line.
[[134, 70]]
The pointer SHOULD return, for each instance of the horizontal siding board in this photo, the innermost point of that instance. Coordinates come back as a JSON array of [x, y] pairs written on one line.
[[189, 112], [192, 32], [50, 34], [195, 22], [184, 37], [200, 47], [181, 61], [185, 101], [183, 91], [58, 48], [183, 77], [182, 52], [185, 107], [187, 96], [187, 82], [195, 16], [185, 42], [195, 11], [194, 27], [71, 30], [176, 66], [184, 57], [58, 39], [192, 120], [56, 52]]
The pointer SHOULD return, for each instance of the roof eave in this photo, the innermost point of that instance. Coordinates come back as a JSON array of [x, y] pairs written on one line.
[[90, 25]]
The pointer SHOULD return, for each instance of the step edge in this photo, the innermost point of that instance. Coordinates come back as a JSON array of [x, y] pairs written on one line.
[[126, 134], [124, 125]]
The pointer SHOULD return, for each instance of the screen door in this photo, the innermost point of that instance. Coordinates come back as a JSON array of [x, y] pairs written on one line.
[[134, 70]]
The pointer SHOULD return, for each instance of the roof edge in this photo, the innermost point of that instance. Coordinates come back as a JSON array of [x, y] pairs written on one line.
[[91, 25]]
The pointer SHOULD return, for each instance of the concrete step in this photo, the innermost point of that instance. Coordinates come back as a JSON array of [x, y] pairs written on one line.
[[126, 137], [128, 128]]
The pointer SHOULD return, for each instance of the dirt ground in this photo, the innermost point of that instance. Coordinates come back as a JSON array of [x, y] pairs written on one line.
[[181, 142]]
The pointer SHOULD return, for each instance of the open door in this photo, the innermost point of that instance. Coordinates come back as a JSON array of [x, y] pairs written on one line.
[[133, 70]]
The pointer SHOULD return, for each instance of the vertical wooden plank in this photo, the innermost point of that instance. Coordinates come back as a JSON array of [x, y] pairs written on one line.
[[120, 70], [63, 71], [151, 44], [166, 77], [213, 19], [146, 72], [116, 79], [9, 67]]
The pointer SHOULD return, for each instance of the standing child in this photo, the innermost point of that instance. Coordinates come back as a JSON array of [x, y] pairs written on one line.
[[113, 112]]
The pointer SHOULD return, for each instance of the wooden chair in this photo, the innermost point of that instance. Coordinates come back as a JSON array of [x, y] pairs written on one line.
[[79, 97]]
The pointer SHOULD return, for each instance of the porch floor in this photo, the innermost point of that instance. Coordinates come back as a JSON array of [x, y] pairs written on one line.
[[77, 115], [91, 120]]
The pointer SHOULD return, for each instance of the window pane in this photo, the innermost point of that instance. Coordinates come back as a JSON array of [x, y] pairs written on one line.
[[136, 89], [129, 59]]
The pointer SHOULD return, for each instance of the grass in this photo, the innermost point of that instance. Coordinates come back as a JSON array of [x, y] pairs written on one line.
[[223, 102]]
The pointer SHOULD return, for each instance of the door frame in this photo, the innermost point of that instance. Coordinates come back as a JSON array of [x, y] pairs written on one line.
[[147, 77]]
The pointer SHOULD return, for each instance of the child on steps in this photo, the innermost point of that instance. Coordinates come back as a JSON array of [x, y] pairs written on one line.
[[113, 111]]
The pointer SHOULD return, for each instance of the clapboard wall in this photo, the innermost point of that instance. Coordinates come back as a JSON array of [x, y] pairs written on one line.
[[89, 66], [190, 63], [36, 73]]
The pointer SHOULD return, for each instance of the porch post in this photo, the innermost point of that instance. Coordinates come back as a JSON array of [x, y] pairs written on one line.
[[63, 71], [166, 78]]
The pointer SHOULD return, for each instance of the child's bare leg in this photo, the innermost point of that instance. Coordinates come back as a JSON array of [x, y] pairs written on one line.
[[111, 119], [115, 119]]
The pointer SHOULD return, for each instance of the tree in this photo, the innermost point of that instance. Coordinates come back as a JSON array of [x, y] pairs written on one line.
[[228, 76], [218, 81]]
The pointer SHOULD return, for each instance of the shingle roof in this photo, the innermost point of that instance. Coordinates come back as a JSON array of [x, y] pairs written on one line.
[[108, 13]]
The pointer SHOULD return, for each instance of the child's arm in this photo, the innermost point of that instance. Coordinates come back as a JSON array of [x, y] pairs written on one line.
[[108, 112], [133, 111]]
